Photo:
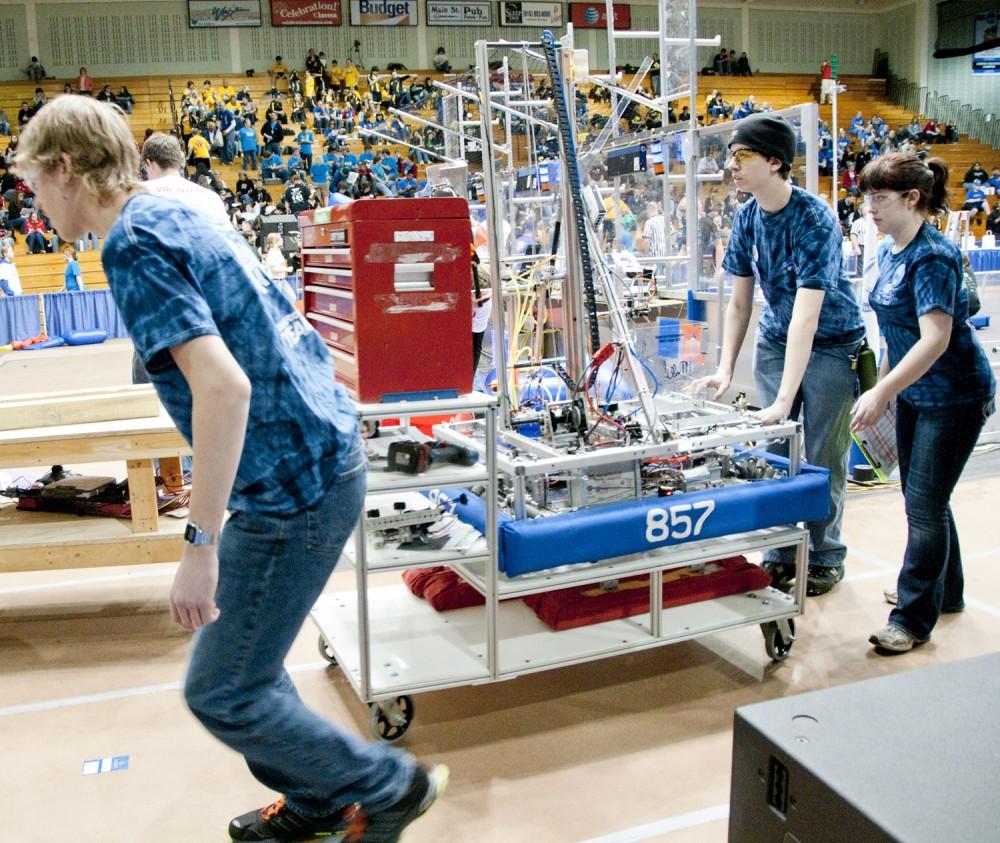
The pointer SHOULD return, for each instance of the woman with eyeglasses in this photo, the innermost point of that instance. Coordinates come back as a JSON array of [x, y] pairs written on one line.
[[939, 376]]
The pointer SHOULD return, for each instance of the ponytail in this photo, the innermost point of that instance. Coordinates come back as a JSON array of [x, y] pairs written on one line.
[[938, 201]]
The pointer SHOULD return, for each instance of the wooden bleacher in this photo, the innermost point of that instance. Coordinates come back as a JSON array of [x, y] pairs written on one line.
[[45, 273]]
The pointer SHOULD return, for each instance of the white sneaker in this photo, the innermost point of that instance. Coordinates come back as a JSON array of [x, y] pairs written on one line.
[[891, 596], [893, 639]]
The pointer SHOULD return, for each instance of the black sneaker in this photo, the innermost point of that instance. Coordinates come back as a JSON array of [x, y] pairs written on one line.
[[278, 822], [387, 825], [822, 578], [782, 574]]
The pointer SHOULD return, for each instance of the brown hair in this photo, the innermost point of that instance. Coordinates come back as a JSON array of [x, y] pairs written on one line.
[[903, 171]]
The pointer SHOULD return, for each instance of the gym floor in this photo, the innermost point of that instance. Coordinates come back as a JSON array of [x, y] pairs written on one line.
[[626, 749]]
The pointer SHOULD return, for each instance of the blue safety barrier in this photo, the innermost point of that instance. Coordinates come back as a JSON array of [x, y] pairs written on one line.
[[18, 318]]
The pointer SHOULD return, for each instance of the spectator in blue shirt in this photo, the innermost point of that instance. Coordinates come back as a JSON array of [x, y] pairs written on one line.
[[73, 276], [788, 242], [249, 384], [321, 117], [940, 378], [994, 180], [975, 199], [320, 172], [295, 164], [248, 145], [305, 140], [228, 127], [273, 167]]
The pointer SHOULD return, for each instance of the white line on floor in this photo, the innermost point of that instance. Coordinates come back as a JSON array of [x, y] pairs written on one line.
[[678, 823], [141, 690], [20, 589], [885, 568]]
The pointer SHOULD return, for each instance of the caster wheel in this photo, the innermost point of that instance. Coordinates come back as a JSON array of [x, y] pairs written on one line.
[[326, 652], [775, 643], [390, 719]]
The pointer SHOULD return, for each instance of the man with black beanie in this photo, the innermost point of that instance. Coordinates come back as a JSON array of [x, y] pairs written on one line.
[[789, 242]]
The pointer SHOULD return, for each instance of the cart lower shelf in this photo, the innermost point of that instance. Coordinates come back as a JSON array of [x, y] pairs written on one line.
[[415, 648]]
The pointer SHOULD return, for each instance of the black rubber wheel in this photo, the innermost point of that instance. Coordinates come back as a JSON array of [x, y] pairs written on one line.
[[775, 644], [390, 723], [326, 652]]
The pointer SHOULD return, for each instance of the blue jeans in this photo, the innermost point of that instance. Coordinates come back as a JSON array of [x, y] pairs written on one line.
[[249, 159], [271, 570], [828, 391], [934, 445], [36, 242]]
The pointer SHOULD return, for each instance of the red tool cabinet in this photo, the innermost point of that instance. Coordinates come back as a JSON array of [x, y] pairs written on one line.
[[387, 285]]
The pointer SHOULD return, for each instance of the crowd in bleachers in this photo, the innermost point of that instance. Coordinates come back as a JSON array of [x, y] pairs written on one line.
[[324, 134]]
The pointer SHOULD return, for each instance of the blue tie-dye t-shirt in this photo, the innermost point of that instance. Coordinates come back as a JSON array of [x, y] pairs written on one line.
[[926, 276], [176, 275], [799, 246]]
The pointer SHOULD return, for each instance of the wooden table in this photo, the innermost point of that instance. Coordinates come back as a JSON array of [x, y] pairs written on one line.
[[33, 541]]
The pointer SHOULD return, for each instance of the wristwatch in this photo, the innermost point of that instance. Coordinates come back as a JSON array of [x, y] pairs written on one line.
[[193, 534]]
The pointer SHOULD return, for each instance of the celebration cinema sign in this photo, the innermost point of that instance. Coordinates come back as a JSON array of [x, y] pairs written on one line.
[[305, 13], [384, 12], [595, 15]]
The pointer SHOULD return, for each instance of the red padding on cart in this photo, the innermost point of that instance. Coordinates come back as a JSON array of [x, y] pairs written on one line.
[[442, 588], [581, 605]]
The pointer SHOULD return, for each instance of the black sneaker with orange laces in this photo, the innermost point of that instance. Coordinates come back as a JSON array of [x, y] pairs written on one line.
[[386, 826], [278, 822]]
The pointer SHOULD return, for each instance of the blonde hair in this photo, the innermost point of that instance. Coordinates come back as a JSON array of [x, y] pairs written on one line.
[[93, 134], [274, 239]]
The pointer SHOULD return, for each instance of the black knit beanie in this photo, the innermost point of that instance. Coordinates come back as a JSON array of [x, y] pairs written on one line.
[[769, 135]]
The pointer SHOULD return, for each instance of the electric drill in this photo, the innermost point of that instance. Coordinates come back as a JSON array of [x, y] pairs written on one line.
[[410, 457]]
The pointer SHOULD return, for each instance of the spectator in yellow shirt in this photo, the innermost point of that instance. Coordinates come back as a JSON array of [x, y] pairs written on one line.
[[309, 90], [208, 95], [350, 76], [199, 150], [336, 75], [226, 90], [277, 70]]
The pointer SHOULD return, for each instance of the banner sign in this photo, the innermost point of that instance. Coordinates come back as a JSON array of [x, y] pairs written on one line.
[[530, 14], [384, 13], [986, 61], [458, 14], [595, 15], [206, 14], [305, 13]]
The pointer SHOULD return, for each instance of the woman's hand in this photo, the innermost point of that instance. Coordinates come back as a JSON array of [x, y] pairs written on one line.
[[778, 411], [868, 409]]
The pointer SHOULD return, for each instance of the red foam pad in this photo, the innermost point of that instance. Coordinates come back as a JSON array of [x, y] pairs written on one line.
[[582, 605], [442, 588]]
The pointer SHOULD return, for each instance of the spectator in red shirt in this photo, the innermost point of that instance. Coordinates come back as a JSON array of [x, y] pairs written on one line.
[[849, 179], [826, 82], [34, 235], [84, 84]]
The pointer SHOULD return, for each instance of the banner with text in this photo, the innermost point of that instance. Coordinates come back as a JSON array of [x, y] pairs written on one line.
[[206, 14], [531, 14], [595, 15], [987, 27], [305, 13], [458, 14], [384, 13]]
